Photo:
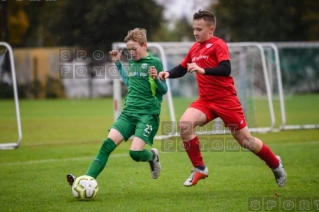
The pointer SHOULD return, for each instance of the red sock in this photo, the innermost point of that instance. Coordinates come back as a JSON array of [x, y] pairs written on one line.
[[192, 148], [268, 156]]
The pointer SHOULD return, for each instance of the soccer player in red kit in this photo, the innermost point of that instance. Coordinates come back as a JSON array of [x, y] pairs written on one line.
[[209, 59]]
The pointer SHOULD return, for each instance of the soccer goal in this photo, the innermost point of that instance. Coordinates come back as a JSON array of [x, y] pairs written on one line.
[[250, 73], [299, 64], [8, 50]]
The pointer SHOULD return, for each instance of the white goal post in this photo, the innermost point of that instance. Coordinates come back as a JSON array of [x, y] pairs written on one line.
[[13, 145], [257, 75], [276, 62]]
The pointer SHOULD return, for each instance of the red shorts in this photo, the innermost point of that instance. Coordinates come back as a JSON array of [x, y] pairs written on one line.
[[228, 109]]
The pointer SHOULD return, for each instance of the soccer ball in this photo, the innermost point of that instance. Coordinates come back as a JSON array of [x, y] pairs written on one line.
[[85, 188]]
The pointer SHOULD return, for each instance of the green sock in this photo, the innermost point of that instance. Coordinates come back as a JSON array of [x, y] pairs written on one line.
[[100, 161]]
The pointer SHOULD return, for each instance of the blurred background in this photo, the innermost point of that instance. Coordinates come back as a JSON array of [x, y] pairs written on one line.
[[65, 117], [38, 31]]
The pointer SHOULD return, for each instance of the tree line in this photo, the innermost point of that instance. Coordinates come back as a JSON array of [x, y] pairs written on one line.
[[97, 24]]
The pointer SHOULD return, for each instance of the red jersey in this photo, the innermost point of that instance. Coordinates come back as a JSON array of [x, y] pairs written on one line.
[[208, 55]]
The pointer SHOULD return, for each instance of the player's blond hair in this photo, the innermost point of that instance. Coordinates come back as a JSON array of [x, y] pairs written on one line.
[[207, 16], [136, 35]]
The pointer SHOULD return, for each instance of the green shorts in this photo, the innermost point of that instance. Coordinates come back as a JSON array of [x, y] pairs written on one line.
[[140, 125]]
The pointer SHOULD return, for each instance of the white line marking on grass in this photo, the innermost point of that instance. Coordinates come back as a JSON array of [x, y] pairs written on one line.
[[295, 143], [123, 155], [57, 160], [61, 143]]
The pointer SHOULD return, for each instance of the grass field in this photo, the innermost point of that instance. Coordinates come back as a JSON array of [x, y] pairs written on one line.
[[62, 136]]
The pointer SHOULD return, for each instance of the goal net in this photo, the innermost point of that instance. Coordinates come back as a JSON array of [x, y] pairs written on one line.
[[249, 70], [299, 64]]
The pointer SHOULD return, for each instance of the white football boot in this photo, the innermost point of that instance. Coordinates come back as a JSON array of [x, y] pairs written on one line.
[[155, 164], [280, 174]]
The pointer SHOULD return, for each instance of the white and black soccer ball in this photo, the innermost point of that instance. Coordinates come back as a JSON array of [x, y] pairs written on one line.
[[85, 188]]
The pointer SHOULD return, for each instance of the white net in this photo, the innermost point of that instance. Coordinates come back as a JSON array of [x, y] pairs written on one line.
[[249, 77], [277, 84], [248, 71]]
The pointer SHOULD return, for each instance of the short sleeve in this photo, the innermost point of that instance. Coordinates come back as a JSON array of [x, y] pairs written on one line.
[[187, 58], [221, 50]]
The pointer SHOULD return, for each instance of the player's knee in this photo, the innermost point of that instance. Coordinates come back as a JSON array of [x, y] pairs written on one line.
[[136, 155], [185, 127]]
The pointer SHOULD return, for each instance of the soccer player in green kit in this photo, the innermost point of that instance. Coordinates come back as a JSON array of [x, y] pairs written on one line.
[[140, 115]]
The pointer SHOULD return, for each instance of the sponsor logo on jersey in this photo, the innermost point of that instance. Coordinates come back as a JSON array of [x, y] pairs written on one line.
[[140, 71], [144, 66], [200, 57], [209, 45]]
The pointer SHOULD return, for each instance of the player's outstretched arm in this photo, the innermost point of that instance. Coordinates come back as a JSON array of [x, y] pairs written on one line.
[[176, 72], [163, 75], [116, 58], [122, 72]]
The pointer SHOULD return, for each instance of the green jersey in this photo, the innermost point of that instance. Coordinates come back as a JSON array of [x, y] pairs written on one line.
[[144, 93]]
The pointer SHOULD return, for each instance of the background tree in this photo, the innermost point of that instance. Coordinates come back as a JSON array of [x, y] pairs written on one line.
[[184, 29], [180, 31], [39, 14], [252, 20], [16, 21], [97, 24]]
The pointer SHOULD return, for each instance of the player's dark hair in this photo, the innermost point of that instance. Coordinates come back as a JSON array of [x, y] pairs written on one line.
[[206, 16]]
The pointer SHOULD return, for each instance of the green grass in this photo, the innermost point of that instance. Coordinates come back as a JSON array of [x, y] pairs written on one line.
[[62, 136]]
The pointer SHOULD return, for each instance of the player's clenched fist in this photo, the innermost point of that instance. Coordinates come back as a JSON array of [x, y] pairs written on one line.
[[163, 75], [152, 72], [115, 55]]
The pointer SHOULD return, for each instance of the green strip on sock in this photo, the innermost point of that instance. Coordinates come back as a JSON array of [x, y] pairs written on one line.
[[100, 161]]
